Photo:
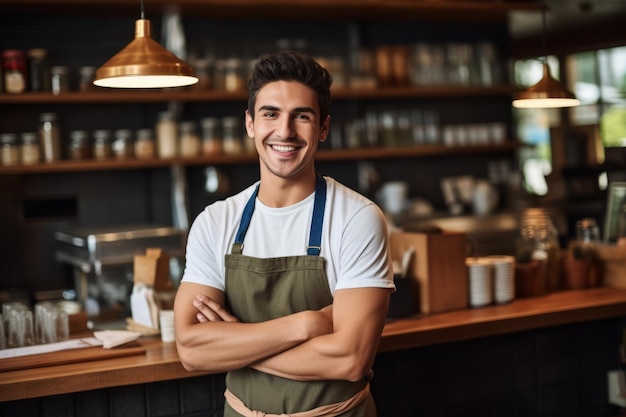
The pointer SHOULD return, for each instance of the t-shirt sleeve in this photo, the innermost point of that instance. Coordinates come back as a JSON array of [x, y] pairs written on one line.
[[365, 260], [201, 263]]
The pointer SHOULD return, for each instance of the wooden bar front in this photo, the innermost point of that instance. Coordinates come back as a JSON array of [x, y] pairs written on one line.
[[161, 362]]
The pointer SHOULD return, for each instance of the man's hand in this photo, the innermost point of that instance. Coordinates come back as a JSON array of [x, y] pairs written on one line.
[[211, 310]]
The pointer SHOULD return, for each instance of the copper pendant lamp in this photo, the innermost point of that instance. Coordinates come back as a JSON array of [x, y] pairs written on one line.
[[144, 63], [548, 92]]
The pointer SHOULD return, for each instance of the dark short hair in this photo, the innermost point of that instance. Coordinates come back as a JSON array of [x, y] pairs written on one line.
[[291, 66]]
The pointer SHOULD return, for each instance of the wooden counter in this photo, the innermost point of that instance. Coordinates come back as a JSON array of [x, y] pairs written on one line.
[[160, 361]]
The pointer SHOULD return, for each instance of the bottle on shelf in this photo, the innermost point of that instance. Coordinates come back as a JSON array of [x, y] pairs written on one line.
[[39, 72], [59, 79], [50, 137], [167, 135]]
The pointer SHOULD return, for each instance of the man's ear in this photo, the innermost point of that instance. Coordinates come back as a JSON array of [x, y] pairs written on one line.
[[249, 125], [324, 129]]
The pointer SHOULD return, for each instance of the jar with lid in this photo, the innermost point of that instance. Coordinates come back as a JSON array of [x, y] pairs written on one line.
[[87, 75], [167, 135], [231, 136], [189, 140], [233, 78], [79, 145], [583, 247], [50, 137], [211, 139], [102, 144], [39, 72], [9, 149], [14, 71], [122, 145], [145, 147], [538, 241], [30, 153], [59, 79]]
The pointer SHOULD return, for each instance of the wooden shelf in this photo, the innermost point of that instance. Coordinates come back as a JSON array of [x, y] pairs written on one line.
[[105, 96], [322, 155]]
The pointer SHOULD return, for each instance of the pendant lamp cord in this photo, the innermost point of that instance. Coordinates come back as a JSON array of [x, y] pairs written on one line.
[[142, 11]]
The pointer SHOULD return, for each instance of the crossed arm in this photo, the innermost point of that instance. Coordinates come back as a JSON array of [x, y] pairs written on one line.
[[337, 342]]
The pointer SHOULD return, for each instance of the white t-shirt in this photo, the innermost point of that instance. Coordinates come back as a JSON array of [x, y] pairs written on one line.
[[354, 238]]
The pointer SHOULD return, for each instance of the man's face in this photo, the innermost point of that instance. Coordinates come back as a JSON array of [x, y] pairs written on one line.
[[286, 128]]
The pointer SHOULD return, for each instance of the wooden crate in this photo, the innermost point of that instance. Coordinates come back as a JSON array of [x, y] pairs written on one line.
[[437, 268], [614, 265]]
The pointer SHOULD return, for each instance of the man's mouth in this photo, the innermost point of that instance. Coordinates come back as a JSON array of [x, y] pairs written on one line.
[[283, 148]]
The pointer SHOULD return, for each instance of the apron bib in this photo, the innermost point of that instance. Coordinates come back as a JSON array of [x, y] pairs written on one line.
[[263, 289]]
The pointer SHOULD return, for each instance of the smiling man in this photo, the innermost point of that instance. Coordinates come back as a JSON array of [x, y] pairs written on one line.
[[286, 284]]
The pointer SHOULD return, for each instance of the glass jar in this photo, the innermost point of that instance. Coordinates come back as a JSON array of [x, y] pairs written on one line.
[[211, 140], [189, 140], [59, 79], [9, 149], [145, 147], [86, 77], [102, 145], [122, 145], [79, 145], [39, 72], [167, 135], [14, 71], [50, 137], [231, 137], [538, 241], [30, 152]]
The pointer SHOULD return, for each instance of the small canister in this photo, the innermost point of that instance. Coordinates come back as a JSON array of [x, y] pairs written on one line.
[[59, 79], [231, 136], [102, 144], [79, 145], [9, 149], [189, 139], [30, 152], [123, 144], [211, 137], [87, 75], [14, 71], [145, 147]]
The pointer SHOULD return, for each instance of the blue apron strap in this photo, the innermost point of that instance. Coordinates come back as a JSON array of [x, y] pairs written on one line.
[[245, 219], [315, 235]]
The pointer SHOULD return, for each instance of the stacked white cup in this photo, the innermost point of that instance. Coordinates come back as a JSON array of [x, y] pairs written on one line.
[[479, 272], [503, 278]]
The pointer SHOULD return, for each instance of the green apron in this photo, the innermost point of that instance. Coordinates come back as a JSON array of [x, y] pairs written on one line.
[[263, 289]]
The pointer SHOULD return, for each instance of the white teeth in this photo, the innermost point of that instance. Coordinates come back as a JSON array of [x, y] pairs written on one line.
[[280, 148]]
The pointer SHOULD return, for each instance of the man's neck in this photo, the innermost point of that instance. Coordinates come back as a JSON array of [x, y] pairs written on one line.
[[283, 192]]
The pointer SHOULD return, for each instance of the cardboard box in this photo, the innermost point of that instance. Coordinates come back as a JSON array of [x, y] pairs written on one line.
[[437, 268], [613, 265]]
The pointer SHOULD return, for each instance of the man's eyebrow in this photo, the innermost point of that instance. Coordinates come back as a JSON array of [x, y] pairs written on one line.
[[296, 110]]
